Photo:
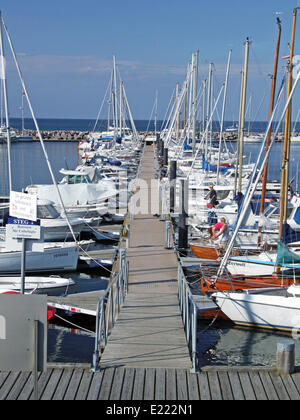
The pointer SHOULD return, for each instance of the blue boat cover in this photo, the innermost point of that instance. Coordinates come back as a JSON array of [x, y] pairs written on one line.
[[208, 167], [114, 162], [297, 216], [289, 235], [186, 146]]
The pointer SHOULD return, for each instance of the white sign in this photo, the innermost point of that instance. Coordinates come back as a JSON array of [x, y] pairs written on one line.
[[23, 205], [23, 231]]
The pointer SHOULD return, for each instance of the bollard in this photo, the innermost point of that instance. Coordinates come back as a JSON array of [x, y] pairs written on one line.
[[163, 201], [172, 179], [128, 236], [182, 224], [165, 156], [168, 237], [161, 150], [285, 357]]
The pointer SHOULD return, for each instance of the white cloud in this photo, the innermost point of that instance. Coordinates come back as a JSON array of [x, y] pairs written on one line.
[[91, 65], [87, 66]]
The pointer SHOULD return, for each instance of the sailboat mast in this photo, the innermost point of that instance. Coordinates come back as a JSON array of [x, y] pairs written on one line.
[[115, 96], [185, 112], [265, 175], [1, 103], [22, 111], [242, 123], [223, 114], [203, 106], [208, 109], [121, 107], [110, 101], [155, 112], [238, 137], [3, 76], [177, 125], [195, 91], [287, 133]]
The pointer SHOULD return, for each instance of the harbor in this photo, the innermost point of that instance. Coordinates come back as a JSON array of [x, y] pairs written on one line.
[[136, 363], [154, 261]]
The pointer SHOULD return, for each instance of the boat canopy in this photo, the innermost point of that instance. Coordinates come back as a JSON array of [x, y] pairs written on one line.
[[285, 256], [208, 167], [75, 194], [289, 235]]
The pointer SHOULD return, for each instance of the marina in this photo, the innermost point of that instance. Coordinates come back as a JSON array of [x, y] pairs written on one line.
[[152, 260], [156, 369], [147, 364]]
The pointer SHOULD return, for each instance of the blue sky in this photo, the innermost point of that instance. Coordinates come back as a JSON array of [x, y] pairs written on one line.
[[65, 49]]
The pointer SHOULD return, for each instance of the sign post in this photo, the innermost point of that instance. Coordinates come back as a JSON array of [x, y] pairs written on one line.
[[23, 212]]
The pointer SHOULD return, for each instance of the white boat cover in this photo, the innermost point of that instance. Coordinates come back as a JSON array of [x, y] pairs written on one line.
[[75, 194]]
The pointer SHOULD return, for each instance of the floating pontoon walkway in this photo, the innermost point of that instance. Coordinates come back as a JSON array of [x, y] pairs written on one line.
[[149, 330]]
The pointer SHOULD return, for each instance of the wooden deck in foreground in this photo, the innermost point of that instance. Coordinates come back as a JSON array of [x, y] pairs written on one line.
[[140, 384]]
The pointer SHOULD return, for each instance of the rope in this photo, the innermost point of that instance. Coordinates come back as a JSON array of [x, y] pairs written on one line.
[[74, 325], [212, 322], [96, 261], [96, 231]]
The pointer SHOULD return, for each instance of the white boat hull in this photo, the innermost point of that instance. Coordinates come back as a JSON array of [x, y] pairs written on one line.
[[260, 310], [249, 269], [52, 285], [54, 259], [58, 229]]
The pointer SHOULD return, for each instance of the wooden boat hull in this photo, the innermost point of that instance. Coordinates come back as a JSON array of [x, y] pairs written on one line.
[[205, 251], [209, 251], [242, 283], [238, 284]]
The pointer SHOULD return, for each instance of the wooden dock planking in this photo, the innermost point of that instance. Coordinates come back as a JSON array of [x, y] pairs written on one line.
[[84, 303], [152, 384], [149, 331]]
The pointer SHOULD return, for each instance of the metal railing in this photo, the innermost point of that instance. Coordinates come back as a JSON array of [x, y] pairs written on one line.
[[108, 308], [189, 316]]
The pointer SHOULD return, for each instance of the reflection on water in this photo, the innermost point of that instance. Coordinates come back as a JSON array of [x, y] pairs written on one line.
[[71, 337], [88, 282], [229, 345], [70, 345]]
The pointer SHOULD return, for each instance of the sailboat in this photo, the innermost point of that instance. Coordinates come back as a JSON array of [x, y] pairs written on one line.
[[41, 256], [277, 309], [150, 138], [237, 264], [23, 136]]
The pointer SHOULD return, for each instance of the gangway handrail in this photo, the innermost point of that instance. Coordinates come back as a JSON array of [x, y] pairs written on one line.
[[108, 308], [188, 309]]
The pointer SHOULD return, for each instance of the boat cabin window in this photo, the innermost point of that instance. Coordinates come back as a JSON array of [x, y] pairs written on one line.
[[47, 212], [274, 211], [78, 179]]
